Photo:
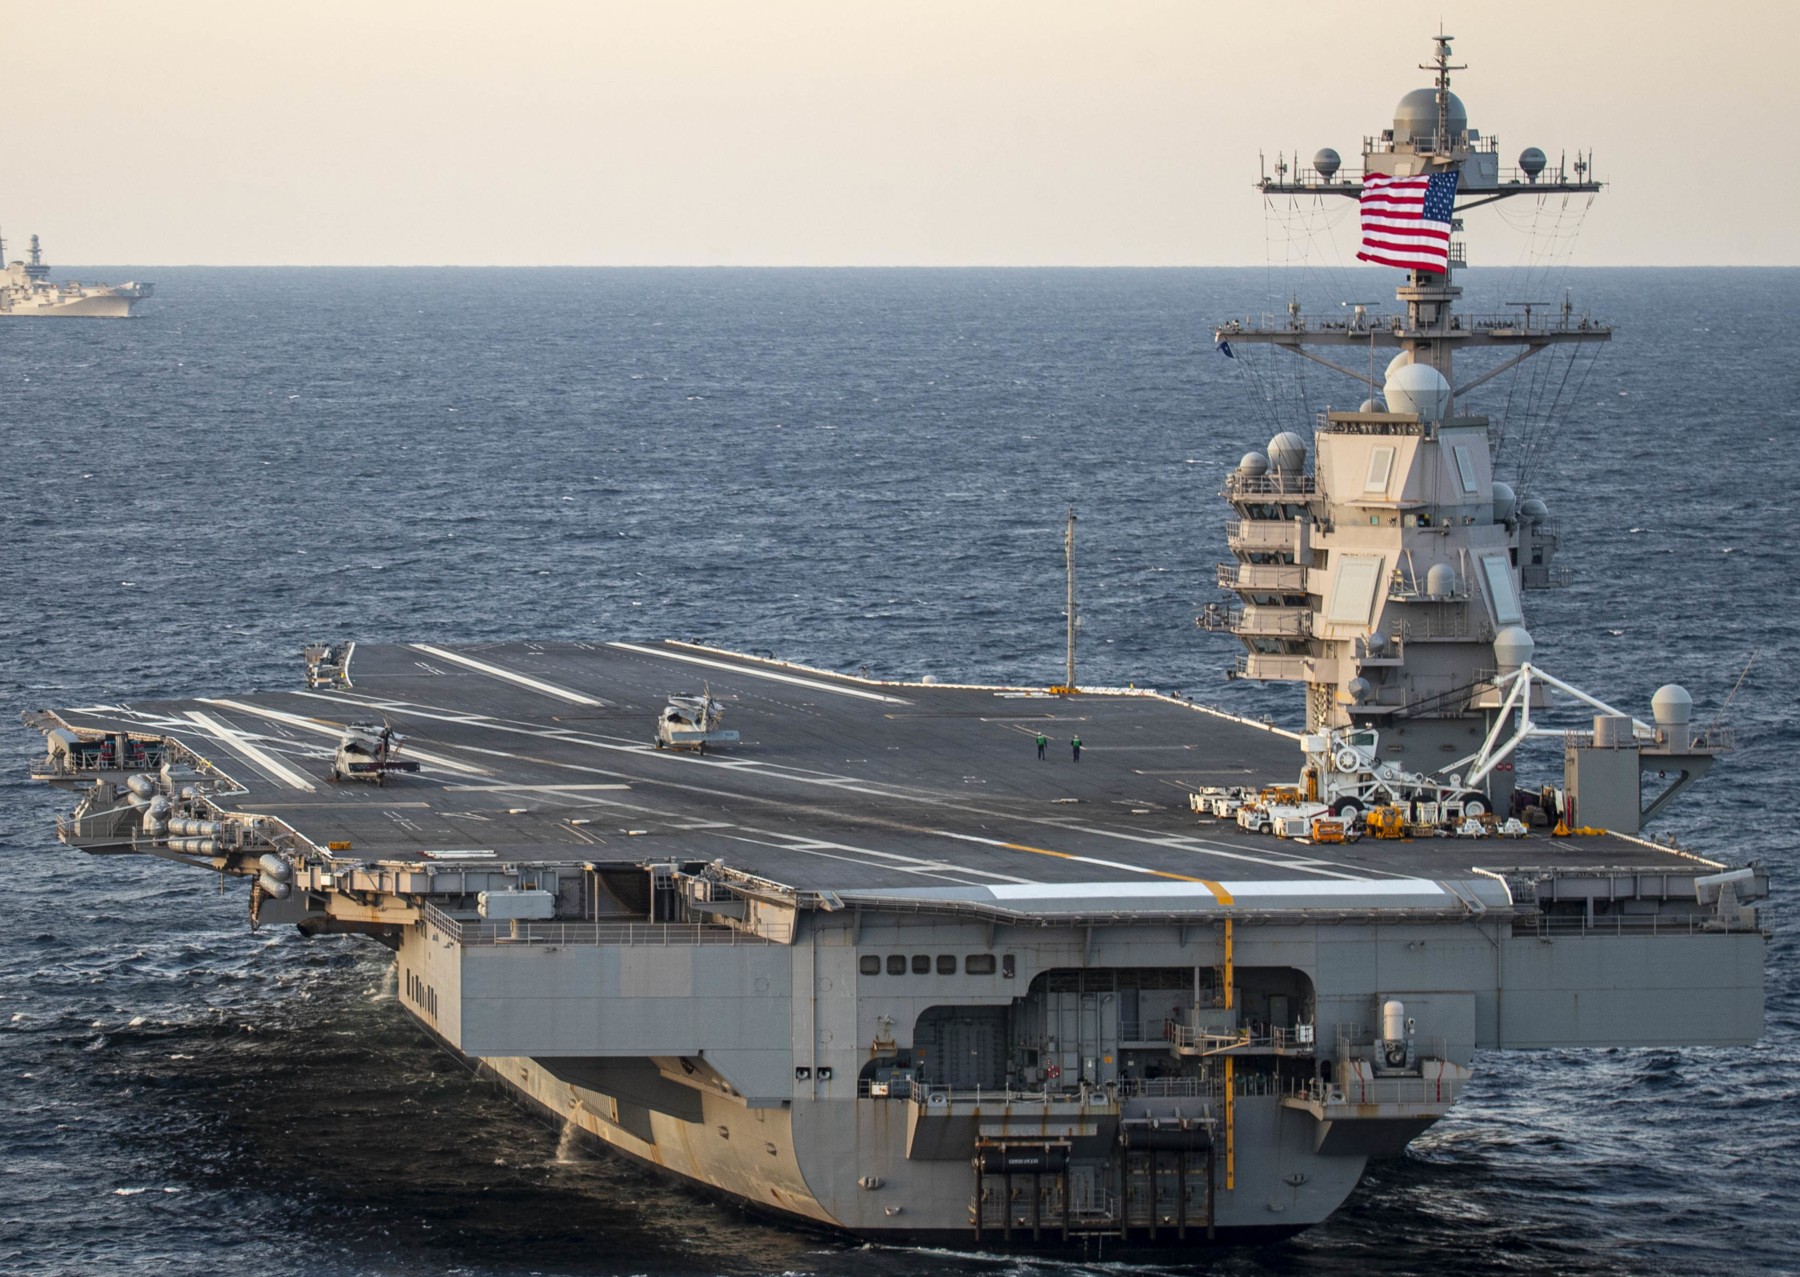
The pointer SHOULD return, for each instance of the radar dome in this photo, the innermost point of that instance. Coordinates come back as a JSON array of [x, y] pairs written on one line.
[[1533, 510], [1513, 646], [1671, 706], [1440, 581], [1371, 405], [1287, 453], [1359, 688], [1532, 161], [1327, 161], [1400, 360], [1253, 464], [1416, 118], [1506, 503], [1418, 388]]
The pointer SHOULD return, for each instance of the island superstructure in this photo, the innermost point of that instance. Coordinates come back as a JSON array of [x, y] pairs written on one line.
[[29, 292], [868, 962]]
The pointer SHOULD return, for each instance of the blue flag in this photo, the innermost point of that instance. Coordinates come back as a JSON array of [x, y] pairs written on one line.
[[1225, 349]]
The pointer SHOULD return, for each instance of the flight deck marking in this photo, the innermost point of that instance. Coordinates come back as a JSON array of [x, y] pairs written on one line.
[[236, 740], [337, 729], [523, 680], [1069, 855], [1200, 847], [530, 789], [936, 868], [755, 673]]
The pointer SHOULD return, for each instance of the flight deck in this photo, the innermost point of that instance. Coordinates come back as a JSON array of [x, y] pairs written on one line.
[[546, 753]]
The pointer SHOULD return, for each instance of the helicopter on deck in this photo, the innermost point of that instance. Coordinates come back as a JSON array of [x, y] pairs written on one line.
[[367, 752], [692, 722]]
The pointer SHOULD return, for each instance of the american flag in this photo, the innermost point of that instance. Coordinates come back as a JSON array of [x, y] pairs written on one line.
[[1406, 221]]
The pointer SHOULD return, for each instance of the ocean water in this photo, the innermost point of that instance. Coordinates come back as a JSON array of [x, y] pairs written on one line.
[[851, 469]]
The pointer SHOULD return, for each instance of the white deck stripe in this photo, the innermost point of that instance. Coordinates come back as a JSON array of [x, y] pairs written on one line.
[[337, 730], [523, 680], [237, 741], [795, 679]]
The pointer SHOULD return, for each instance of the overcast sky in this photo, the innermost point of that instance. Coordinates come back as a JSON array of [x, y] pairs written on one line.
[[793, 132]]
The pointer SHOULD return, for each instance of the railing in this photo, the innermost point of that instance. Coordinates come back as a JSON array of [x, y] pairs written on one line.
[[1217, 1038], [1548, 926], [1276, 485], [1515, 325], [1268, 665], [1719, 739], [1087, 1094], [1535, 576], [1456, 625], [1170, 1088], [1271, 620], [1401, 590], [635, 934], [1381, 1090], [1433, 142], [1284, 577], [1261, 534], [1087, 1208]]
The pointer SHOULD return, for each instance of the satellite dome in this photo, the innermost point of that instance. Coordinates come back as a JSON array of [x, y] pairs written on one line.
[[1418, 388], [1513, 646], [1253, 464], [1359, 689], [1287, 453], [1398, 361], [1506, 502], [1532, 161], [1533, 510], [1327, 161], [1440, 581], [1671, 706], [1371, 405], [1416, 118]]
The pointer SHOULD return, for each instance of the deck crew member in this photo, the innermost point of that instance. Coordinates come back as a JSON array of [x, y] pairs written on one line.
[[1075, 745], [1043, 743]]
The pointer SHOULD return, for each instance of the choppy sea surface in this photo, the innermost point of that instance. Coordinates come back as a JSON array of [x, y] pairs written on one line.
[[849, 469]]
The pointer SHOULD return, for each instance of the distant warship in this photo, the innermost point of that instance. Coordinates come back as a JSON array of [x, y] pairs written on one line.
[[29, 291], [872, 960]]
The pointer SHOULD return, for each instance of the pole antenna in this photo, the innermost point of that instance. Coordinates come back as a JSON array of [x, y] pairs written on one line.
[[1069, 557]]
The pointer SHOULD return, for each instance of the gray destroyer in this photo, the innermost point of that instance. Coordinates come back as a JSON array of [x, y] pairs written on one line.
[[28, 291], [871, 960]]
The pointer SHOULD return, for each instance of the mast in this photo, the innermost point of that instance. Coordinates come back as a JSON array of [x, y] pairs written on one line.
[[1069, 559]]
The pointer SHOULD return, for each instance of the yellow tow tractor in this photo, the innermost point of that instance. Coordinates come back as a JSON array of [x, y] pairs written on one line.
[[1387, 823]]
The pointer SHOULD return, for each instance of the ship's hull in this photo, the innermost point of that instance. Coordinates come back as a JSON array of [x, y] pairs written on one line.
[[111, 303], [767, 1176]]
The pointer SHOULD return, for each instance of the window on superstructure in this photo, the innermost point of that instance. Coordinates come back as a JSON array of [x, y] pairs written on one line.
[[921, 964], [946, 964], [869, 964], [979, 964], [896, 964], [1381, 465], [1465, 468]]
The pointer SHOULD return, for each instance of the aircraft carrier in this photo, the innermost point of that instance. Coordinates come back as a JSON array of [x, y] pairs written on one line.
[[27, 291], [1009, 966]]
